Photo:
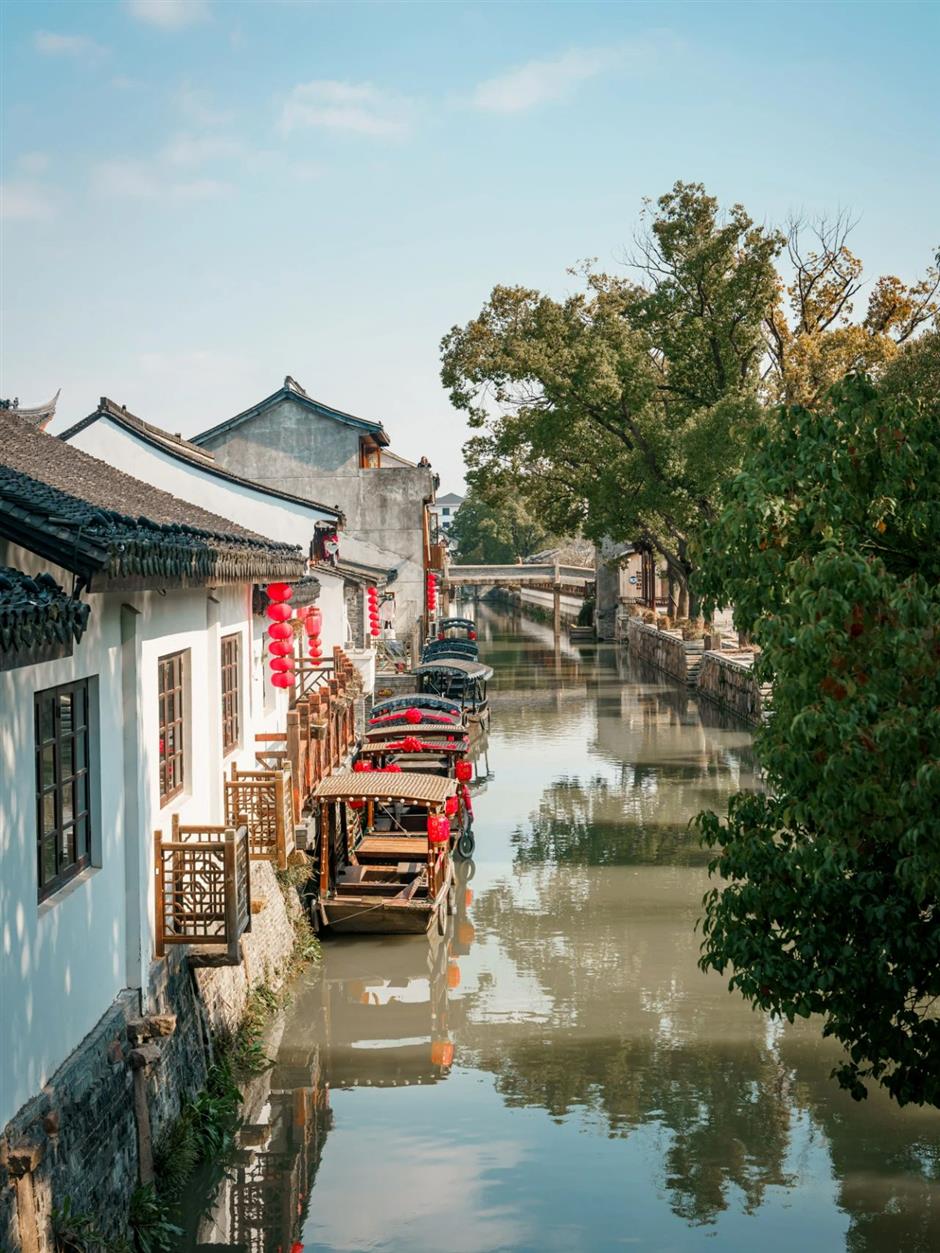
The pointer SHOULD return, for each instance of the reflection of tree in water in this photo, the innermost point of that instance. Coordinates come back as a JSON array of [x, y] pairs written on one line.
[[886, 1161], [624, 1010]]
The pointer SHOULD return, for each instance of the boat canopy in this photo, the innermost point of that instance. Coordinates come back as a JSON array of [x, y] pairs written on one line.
[[455, 665], [415, 700], [451, 648], [422, 730], [431, 750], [419, 789], [445, 624]]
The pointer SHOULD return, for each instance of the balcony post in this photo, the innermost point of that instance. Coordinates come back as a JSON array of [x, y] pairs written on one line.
[[159, 919]]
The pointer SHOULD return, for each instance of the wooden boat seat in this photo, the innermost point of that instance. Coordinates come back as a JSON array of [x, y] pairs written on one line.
[[393, 848]]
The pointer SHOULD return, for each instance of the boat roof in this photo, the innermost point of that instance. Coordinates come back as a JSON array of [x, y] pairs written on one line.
[[419, 700], [421, 730], [425, 789], [432, 750], [460, 665], [444, 623]]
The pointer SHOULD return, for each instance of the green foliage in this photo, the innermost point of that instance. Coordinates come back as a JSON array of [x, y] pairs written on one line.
[[75, 1231], [203, 1131], [619, 410], [495, 530], [150, 1223], [829, 549]]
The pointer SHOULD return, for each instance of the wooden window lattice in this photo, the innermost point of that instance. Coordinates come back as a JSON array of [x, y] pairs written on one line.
[[172, 746], [63, 784], [231, 708]]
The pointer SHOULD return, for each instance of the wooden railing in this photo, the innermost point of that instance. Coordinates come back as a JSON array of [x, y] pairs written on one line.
[[203, 887], [321, 727], [262, 801]]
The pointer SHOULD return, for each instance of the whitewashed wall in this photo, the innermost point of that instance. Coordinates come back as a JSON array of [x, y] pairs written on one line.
[[64, 961]]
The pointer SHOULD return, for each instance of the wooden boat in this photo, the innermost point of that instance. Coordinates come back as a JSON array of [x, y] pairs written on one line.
[[456, 628], [459, 680], [385, 864], [468, 649], [432, 706]]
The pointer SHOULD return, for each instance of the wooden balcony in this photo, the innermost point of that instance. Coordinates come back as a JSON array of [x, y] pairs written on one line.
[[203, 889], [437, 557], [262, 802]]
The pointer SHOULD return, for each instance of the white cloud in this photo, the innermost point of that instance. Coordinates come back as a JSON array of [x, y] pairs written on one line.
[[169, 14], [23, 201], [195, 150], [143, 180], [51, 44], [356, 107], [33, 162], [197, 106], [538, 82]]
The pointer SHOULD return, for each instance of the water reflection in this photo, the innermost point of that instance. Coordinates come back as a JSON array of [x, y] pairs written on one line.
[[557, 1073]]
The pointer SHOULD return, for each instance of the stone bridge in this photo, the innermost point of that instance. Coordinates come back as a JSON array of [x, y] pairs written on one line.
[[549, 576]]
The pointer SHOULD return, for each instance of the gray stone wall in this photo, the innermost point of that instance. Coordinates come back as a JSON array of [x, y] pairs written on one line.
[[665, 650], [729, 681], [82, 1124]]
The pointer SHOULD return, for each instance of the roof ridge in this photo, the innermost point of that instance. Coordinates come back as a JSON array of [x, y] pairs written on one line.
[[286, 391]]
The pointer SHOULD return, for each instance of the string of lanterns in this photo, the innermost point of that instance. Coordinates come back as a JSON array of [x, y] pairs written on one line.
[[280, 634], [374, 625], [431, 591]]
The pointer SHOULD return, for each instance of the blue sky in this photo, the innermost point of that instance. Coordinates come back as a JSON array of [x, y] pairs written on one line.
[[201, 196]]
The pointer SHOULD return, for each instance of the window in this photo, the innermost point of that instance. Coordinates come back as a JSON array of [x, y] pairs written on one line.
[[170, 688], [63, 809], [446, 511], [231, 714]]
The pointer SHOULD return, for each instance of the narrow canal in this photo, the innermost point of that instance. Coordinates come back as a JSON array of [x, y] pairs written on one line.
[[559, 1075]]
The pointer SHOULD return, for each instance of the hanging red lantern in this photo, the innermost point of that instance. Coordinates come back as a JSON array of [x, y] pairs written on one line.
[[414, 716], [279, 631], [375, 632], [279, 591], [467, 802], [356, 804], [362, 767], [282, 679], [450, 806], [301, 612], [314, 651], [278, 611], [471, 635], [281, 648], [464, 771], [438, 829], [312, 626], [283, 664]]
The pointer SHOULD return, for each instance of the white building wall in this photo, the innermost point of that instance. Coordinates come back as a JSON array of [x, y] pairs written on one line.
[[62, 962]]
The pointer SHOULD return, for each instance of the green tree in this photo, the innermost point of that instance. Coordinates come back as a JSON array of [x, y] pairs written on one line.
[[829, 549], [619, 410], [495, 531]]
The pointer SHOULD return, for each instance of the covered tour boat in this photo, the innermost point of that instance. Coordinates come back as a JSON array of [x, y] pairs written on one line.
[[384, 846], [456, 629], [459, 680]]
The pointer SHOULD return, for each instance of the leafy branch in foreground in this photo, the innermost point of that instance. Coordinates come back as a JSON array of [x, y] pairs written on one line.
[[829, 549]]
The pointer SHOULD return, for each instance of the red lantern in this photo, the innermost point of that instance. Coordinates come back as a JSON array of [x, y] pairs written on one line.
[[392, 768], [442, 1053], [356, 804], [464, 771], [278, 611], [411, 744], [312, 625], [281, 648], [441, 635], [362, 767], [281, 679], [471, 635], [279, 631], [375, 632], [438, 829], [465, 797], [301, 611], [450, 806], [279, 591], [314, 652], [414, 716], [282, 664]]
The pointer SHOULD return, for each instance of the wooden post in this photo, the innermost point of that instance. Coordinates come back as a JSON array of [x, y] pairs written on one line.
[[296, 763], [556, 602], [280, 833], [231, 893], [324, 848], [160, 905]]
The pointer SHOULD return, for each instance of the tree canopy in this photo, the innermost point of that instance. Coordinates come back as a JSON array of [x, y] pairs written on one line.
[[495, 530], [828, 547]]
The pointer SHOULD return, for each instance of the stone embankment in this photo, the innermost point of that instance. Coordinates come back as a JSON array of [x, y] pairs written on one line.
[[723, 676]]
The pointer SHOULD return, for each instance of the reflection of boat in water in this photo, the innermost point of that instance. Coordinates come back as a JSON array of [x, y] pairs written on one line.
[[384, 1014]]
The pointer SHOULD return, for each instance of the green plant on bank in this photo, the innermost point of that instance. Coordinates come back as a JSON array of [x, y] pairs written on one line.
[[828, 548], [150, 1222], [203, 1131], [75, 1231]]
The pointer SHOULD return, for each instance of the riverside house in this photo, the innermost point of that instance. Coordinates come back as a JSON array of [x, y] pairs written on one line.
[[303, 446], [131, 682], [344, 567]]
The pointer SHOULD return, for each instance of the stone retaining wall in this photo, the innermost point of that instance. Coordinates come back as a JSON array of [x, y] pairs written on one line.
[[665, 650], [80, 1131], [728, 679]]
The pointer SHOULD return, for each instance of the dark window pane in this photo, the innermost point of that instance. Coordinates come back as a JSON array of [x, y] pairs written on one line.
[[68, 804], [81, 837], [47, 776], [81, 752], [65, 713], [79, 707], [81, 794], [68, 847], [48, 870], [68, 759], [48, 812], [46, 720]]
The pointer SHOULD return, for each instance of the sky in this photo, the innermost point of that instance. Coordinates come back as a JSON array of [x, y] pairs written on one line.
[[200, 197]]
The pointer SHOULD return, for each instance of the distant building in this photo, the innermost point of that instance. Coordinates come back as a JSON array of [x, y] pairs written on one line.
[[298, 445], [444, 510]]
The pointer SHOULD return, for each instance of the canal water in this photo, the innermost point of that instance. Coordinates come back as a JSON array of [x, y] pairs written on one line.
[[558, 1074]]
